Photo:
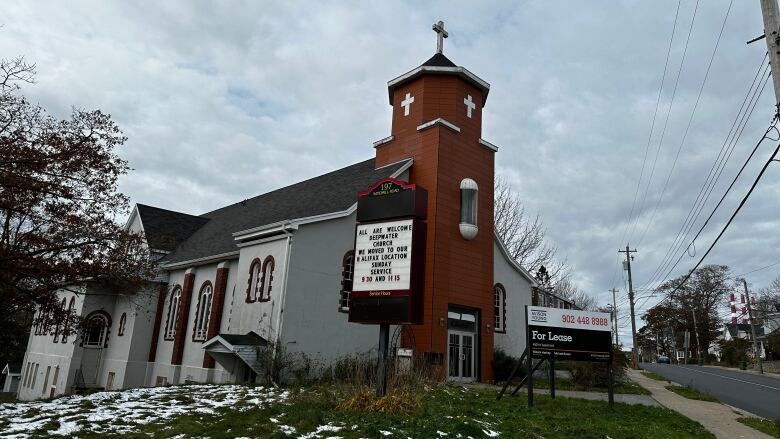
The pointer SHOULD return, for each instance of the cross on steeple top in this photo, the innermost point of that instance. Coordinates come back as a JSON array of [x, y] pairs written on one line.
[[441, 34]]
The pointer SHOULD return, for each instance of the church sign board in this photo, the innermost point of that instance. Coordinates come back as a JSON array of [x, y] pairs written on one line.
[[389, 251], [567, 334]]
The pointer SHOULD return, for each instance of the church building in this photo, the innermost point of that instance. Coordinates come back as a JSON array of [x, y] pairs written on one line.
[[276, 271]]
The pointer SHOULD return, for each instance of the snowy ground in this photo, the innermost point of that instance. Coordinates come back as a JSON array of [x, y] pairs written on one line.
[[123, 412]]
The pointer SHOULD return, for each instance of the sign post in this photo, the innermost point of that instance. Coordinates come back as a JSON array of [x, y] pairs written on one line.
[[388, 271], [381, 377], [530, 361]]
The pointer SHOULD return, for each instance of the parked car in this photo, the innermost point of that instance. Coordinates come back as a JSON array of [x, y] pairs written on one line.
[[664, 359]]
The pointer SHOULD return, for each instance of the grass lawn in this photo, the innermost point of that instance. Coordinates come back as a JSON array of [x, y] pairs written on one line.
[[771, 428], [445, 412], [653, 375], [625, 387], [691, 393], [312, 412]]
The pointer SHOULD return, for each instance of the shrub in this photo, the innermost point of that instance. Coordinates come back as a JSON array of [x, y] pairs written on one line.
[[399, 401], [734, 351], [502, 365], [589, 374]]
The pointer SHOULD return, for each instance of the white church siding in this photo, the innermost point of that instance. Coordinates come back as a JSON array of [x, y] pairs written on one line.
[[312, 323], [57, 357], [517, 285], [260, 316]]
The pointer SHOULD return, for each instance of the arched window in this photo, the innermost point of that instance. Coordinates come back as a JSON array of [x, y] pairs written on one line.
[[468, 208], [68, 316], [59, 318], [253, 285], [122, 321], [347, 271], [173, 313], [266, 279], [96, 328], [499, 308], [203, 311]]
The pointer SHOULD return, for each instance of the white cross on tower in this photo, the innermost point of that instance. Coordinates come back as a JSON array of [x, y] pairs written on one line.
[[441, 34], [470, 105], [406, 103]]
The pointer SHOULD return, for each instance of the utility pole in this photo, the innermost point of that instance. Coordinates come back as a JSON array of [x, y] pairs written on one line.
[[696, 330], [634, 361], [615, 316], [753, 324], [769, 11]]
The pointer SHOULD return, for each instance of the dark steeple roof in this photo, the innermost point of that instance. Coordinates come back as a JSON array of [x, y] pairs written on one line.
[[439, 60], [165, 229]]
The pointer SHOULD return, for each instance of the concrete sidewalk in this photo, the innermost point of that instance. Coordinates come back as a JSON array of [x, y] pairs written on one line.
[[593, 396], [718, 419]]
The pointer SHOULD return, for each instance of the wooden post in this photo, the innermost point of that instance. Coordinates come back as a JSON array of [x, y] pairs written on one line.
[[551, 363], [529, 362], [610, 384], [381, 367]]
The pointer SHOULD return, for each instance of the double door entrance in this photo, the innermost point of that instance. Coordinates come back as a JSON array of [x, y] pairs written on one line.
[[462, 345]]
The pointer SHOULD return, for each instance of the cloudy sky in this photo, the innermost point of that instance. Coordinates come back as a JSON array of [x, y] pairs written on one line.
[[225, 100]]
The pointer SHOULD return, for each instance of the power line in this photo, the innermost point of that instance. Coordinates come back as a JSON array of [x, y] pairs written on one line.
[[731, 185], [757, 269], [655, 114], [666, 120], [649, 136], [690, 121], [729, 144], [731, 219]]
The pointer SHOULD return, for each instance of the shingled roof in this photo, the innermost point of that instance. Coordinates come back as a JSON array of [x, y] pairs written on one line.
[[439, 60], [332, 192], [165, 229]]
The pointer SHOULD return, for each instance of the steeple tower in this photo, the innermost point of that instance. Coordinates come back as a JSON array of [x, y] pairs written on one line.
[[437, 121]]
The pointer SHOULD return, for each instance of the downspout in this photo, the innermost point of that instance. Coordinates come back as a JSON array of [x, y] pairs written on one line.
[[283, 298]]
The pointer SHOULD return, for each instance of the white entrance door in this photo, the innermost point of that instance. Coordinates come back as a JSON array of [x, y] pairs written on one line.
[[90, 365], [460, 356]]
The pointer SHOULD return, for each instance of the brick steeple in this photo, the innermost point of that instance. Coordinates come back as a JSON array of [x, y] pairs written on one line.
[[437, 121]]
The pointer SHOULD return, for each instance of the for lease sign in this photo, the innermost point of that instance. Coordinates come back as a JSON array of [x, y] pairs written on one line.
[[569, 334], [383, 256]]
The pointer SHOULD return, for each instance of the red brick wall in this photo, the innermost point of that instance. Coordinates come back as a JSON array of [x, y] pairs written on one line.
[[163, 292], [217, 305], [458, 272], [183, 318]]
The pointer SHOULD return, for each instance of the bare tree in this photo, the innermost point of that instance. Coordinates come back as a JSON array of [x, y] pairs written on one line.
[[525, 239], [524, 236], [768, 300], [58, 208]]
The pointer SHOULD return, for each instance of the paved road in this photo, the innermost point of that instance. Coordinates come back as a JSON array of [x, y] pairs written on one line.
[[755, 393]]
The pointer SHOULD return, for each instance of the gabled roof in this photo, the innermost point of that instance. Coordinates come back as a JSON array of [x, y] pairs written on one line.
[[165, 229], [230, 342], [332, 192], [513, 262], [12, 369]]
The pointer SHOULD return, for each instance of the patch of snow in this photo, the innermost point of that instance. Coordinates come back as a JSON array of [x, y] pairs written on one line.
[[135, 407], [490, 433], [386, 433]]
